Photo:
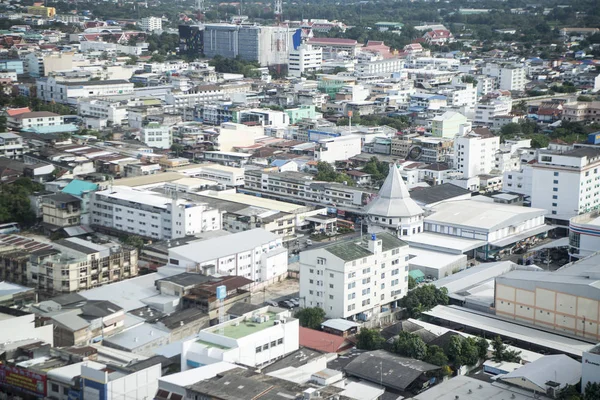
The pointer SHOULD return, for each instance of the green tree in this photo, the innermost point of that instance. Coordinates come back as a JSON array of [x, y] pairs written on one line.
[[369, 339], [326, 173], [410, 345], [501, 353], [454, 350], [436, 356], [177, 148], [14, 201], [3, 121], [133, 241], [311, 317], [591, 391], [569, 392], [510, 129], [482, 348], [423, 298], [469, 351], [411, 282]]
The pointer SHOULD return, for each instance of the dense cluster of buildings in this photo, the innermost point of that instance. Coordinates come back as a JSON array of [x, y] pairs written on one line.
[[179, 216]]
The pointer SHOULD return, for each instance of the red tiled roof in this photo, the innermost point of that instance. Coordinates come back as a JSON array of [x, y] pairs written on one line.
[[11, 112], [323, 341], [332, 41]]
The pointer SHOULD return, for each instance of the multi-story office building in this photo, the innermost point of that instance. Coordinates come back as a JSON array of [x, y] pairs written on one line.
[[369, 65], [448, 125], [191, 39], [150, 214], [151, 24], [256, 254], [300, 187], [305, 60], [475, 153], [338, 148], [356, 280], [582, 112]]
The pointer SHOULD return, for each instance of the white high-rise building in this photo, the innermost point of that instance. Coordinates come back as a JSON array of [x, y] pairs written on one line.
[[508, 76], [486, 112], [475, 153], [156, 135], [393, 210], [150, 214], [358, 280], [305, 60], [151, 24]]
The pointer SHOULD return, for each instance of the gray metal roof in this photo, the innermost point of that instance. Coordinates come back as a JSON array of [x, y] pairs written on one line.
[[557, 368], [390, 370], [393, 199], [138, 336], [435, 194]]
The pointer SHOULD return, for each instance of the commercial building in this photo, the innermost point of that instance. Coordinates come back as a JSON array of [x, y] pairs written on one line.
[[151, 24], [225, 175], [305, 60], [61, 210], [42, 11], [156, 135], [393, 210], [582, 112], [356, 280], [107, 382], [150, 214], [475, 152], [300, 188], [487, 112], [584, 234], [253, 339], [17, 325], [68, 92], [255, 254], [493, 228], [590, 364], [566, 300]]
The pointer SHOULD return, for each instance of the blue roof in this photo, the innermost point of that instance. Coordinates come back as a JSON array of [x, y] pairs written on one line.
[[52, 129], [279, 163], [77, 187]]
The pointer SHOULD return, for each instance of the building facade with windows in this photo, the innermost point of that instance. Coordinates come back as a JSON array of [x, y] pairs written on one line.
[[356, 280], [475, 153], [150, 214]]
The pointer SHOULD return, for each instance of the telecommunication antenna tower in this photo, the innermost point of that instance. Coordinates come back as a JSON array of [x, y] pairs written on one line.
[[278, 10]]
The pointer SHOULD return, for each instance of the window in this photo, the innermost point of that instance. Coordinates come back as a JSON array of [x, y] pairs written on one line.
[[330, 297], [555, 182], [556, 174], [554, 197], [55, 387], [273, 343], [321, 261], [555, 189], [280, 341], [351, 296], [258, 349], [266, 347]]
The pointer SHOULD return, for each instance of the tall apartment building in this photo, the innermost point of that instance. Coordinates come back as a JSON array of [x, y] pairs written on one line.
[[268, 45], [369, 65], [11, 145], [358, 280], [305, 60], [150, 214], [151, 24], [508, 76], [448, 125], [61, 210], [256, 254], [475, 153]]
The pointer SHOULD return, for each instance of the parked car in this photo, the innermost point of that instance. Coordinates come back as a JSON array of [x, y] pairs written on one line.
[[286, 304], [295, 302], [271, 303]]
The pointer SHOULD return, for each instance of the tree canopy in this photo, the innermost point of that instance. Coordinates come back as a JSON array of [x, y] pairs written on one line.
[[326, 172], [311, 317], [14, 201], [369, 339], [410, 345], [423, 298]]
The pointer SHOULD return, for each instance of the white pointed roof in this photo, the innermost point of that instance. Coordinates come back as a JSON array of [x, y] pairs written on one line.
[[393, 199]]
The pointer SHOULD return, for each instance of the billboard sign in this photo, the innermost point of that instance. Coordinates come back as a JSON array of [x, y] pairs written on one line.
[[221, 292], [23, 380]]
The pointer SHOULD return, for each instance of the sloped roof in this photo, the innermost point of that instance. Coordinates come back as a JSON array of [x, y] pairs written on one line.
[[393, 199], [559, 368], [77, 187], [12, 112], [322, 341]]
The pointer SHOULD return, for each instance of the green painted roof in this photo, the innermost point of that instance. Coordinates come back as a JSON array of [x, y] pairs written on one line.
[[416, 274], [77, 187], [389, 241], [244, 328], [348, 251]]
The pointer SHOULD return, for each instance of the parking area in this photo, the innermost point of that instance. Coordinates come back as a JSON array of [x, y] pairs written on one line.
[[283, 290]]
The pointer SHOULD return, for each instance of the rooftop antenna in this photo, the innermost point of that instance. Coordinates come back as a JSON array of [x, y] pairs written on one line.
[[278, 10]]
